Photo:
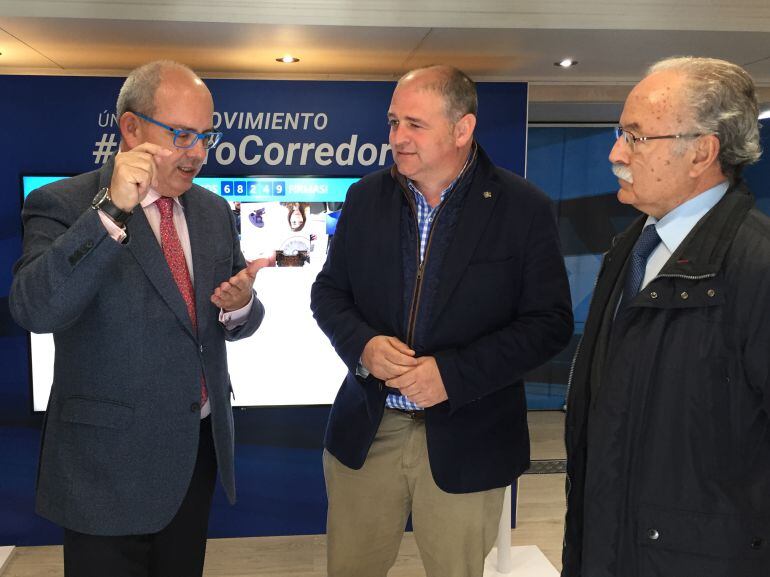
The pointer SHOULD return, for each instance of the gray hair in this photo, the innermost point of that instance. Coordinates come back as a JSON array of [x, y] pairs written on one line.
[[138, 91], [456, 88], [723, 101]]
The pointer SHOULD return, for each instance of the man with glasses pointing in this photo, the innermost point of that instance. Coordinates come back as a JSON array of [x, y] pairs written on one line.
[[139, 275], [668, 413]]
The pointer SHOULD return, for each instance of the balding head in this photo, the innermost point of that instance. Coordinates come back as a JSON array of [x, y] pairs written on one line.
[[431, 126], [138, 91], [456, 89]]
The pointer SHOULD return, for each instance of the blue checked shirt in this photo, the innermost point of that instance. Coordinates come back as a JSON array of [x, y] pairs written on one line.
[[425, 215]]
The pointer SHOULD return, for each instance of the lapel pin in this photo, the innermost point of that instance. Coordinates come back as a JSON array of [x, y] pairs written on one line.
[[487, 194]]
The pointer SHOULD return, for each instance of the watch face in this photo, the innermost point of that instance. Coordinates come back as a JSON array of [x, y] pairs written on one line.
[[100, 196]]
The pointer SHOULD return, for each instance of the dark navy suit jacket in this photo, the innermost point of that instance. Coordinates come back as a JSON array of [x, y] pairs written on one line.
[[122, 425], [501, 309]]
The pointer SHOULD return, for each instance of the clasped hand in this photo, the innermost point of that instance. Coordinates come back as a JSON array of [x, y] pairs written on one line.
[[392, 361]]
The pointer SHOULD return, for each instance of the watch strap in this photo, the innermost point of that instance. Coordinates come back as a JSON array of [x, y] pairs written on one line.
[[103, 202]]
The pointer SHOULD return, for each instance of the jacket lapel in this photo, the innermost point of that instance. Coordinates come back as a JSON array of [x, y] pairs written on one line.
[[615, 260], [199, 229], [478, 208], [149, 255], [600, 322]]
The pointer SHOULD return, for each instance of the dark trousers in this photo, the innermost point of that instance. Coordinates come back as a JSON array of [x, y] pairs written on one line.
[[177, 550]]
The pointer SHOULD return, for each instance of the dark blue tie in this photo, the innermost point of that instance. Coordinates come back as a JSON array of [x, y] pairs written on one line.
[[637, 264]]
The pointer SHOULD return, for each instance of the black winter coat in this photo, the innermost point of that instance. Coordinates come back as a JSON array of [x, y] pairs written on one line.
[[668, 434]]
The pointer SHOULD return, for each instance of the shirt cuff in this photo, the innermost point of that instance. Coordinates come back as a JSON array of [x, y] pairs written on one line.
[[233, 319], [117, 233]]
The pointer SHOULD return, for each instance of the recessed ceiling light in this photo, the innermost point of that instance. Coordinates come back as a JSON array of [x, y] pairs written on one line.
[[566, 63], [288, 59]]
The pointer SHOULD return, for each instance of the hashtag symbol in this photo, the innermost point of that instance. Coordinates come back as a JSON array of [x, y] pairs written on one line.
[[103, 148]]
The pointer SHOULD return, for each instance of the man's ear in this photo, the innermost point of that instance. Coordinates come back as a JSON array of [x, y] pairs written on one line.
[[130, 130], [463, 130], [706, 154]]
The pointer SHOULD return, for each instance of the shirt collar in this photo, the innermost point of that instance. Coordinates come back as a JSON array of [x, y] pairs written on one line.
[[153, 195], [419, 196], [444, 192], [677, 224]]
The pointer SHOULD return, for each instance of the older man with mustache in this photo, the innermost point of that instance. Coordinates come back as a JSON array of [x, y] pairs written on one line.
[[668, 426]]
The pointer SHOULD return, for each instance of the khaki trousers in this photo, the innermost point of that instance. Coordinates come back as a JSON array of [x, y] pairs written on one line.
[[369, 507]]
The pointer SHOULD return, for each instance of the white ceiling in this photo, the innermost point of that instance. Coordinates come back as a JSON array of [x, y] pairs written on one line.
[[364, 39]]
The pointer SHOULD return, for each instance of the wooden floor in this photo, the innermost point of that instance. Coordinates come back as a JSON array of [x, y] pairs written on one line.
[[540, 522]]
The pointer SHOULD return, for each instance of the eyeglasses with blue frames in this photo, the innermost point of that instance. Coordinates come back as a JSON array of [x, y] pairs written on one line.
[[186, 138], [631, 139]]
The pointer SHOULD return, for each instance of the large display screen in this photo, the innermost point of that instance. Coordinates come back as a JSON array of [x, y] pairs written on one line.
[[289, 220]]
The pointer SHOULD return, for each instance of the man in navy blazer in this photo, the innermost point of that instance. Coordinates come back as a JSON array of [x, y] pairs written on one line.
[[444, 286], [139, 275]]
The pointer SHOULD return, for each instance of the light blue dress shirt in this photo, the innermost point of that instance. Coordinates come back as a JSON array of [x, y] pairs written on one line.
[[676, 225]]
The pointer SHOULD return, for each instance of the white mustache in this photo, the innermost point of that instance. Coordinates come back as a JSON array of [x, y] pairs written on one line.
[[623, 172]]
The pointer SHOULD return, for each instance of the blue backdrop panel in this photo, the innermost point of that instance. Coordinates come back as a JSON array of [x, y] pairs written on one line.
[[66, 125]]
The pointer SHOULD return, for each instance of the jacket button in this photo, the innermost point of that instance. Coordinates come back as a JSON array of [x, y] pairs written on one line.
[[653, 534], [201, 349], [195, 408], [757, 543], [684, 295], [653, 295], [711, 292]]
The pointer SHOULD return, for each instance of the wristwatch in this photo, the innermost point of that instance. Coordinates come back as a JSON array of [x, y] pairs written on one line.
[[103, 202]]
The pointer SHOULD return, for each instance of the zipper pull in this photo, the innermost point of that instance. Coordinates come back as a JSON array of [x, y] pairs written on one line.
[[419, 272]]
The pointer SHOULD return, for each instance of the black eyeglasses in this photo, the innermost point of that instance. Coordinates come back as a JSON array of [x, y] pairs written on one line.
[[187, 138], [631, 139]]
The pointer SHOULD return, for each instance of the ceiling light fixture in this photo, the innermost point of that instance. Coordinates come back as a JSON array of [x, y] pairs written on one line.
[[288, 59], [566, 63]]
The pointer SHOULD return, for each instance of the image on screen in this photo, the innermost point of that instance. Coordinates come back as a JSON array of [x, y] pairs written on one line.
[[289, 221]]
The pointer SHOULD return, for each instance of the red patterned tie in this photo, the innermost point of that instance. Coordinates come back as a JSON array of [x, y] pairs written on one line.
[[172, 249]]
